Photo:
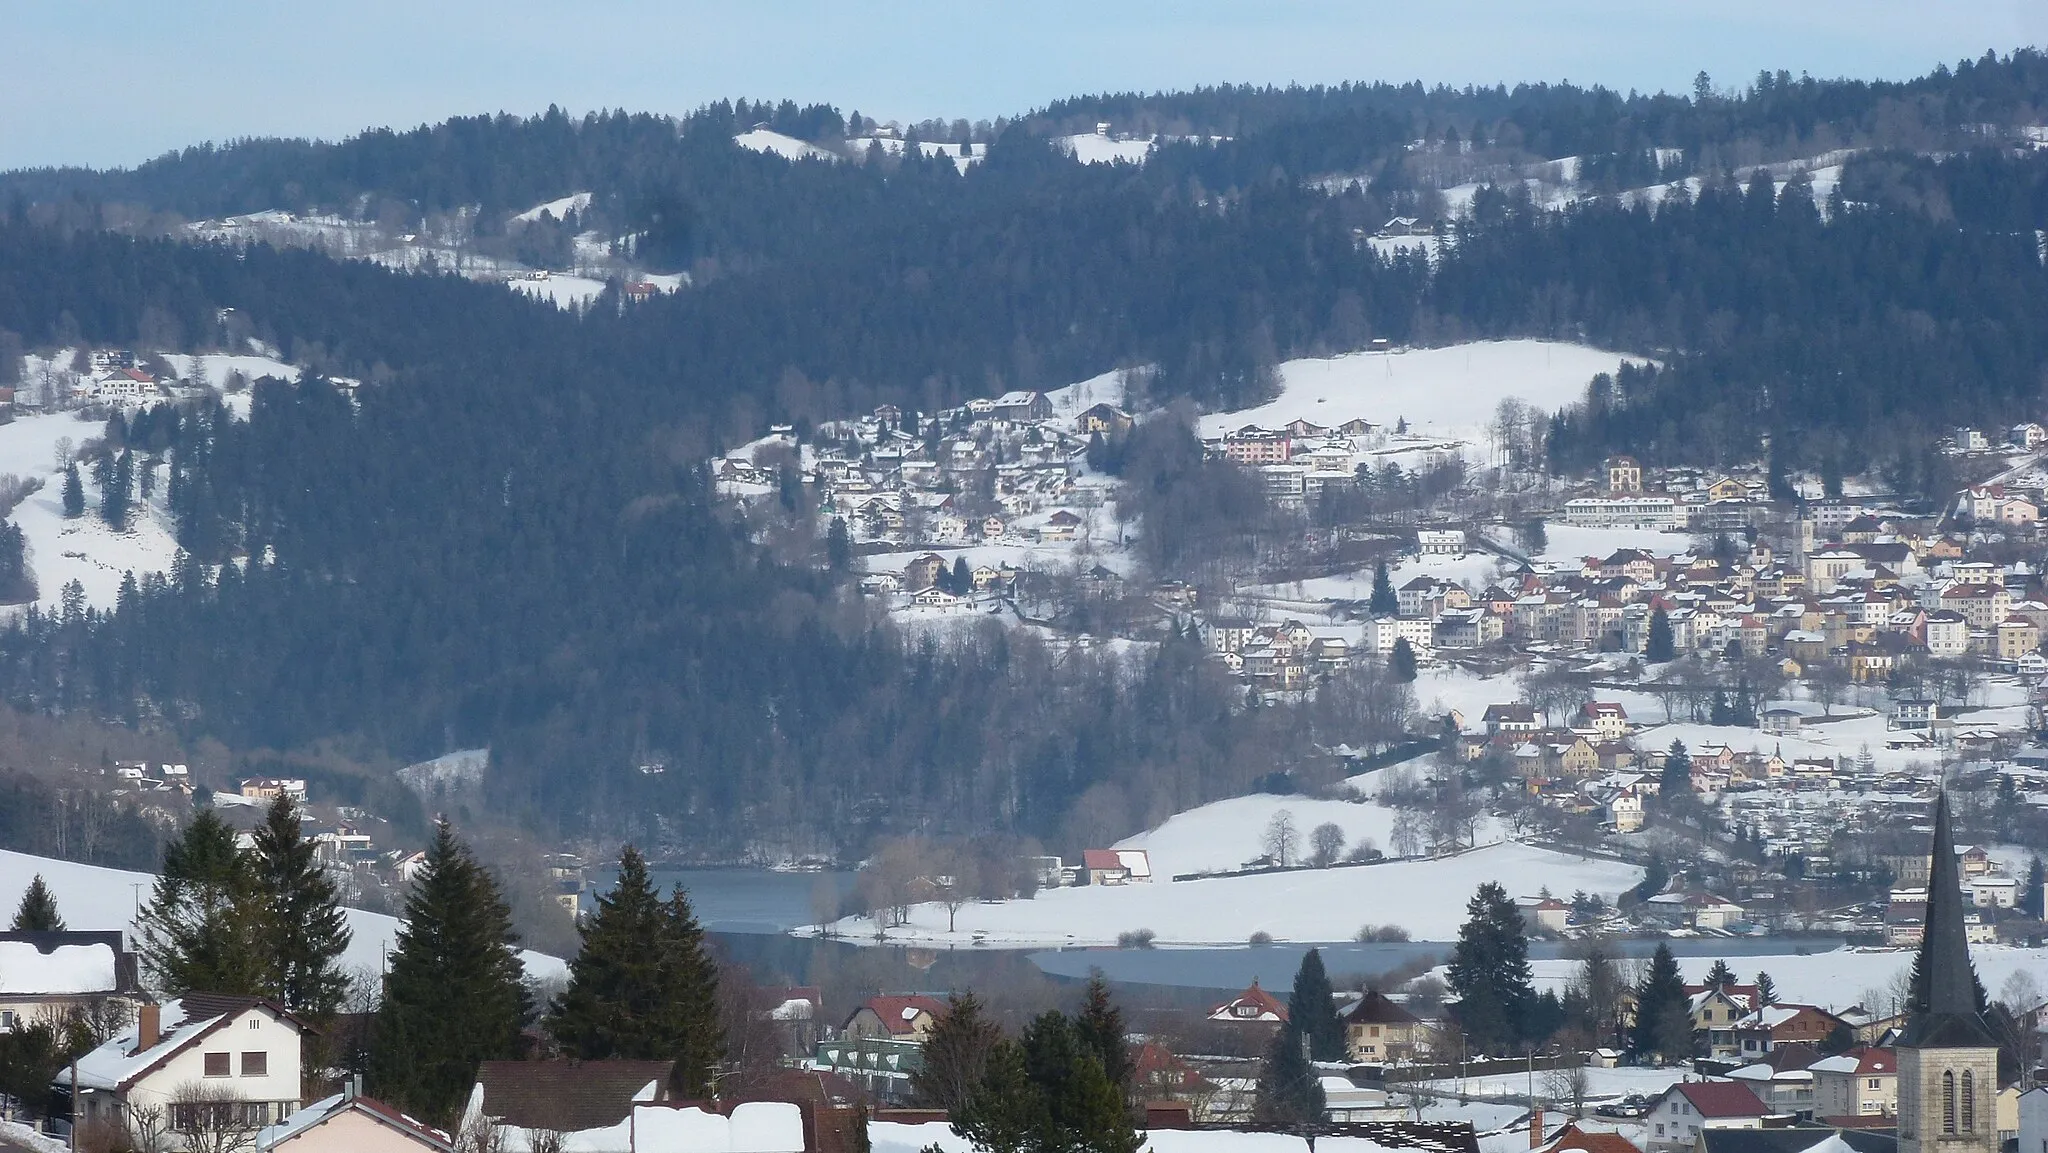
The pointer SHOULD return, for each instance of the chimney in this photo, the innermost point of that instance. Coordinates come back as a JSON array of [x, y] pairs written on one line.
[[1536, 1127], [354, 1088], [149, 1026]]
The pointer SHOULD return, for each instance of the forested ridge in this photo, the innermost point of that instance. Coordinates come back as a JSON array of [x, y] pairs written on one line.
[[508, 538]]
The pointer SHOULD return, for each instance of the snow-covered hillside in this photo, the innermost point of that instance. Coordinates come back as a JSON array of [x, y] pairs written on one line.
[[1450, 392], [106, 899], [559, 208], [1425, 897], [1090, 148]]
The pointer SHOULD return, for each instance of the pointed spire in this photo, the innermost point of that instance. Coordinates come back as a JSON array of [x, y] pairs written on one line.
[[1950, 988], [1948, 1016]]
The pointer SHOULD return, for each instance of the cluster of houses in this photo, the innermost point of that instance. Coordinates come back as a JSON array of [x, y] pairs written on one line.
[[1300, 461], [992, 470]]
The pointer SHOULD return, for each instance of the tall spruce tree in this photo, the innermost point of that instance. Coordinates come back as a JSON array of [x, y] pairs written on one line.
[[74, 493], [955, 1056], [642, 985], [202, 931], [1489, 971], [1766, 989], [1385, 601], [1288, 1091], [1100, 1028], [304, 931], [1312, 1009], [1720, 975], [1048, 1093], [1663, 1026], [2031, 890], [37, 912], [454, 997], [1659, 647], [1401, 662]]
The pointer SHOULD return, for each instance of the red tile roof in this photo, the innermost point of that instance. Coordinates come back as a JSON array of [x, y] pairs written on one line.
[[1721, 1098], [899, 1011], [1256, 997]]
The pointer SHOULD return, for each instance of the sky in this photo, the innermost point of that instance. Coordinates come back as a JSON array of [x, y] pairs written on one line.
[[115, 82]]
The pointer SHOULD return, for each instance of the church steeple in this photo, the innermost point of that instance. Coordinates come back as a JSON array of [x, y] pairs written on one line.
[[1946, 1012]]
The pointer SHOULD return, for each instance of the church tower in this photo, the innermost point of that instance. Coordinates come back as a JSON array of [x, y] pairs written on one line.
[[1948, 1060]]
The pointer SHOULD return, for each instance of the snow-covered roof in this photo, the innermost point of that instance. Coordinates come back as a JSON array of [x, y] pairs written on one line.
[[754, 1127], [117, 1062], [64, 969]]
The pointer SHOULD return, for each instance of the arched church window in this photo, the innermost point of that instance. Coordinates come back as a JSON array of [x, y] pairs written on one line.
[[1948, 1101], [1969, 1102]]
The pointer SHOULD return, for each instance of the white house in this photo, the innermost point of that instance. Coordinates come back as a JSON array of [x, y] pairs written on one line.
[[51, 973], [349, 1122], [194, 1067], [1435, 542]]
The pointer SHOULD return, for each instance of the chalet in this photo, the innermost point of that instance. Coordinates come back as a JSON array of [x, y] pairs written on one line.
[[247, 1050], [934, 597], [1254, 1006], [1774, 1025], [1022, 406], [1061, 525], [1676, 1118], [1377, 1029], [899, 1016], [1104, 419], [1116, 866], [271, 788]]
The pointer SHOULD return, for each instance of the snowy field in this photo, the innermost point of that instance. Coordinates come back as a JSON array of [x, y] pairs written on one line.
[[1425, 897], [1836, 979], [1569, 544], [85, 550], [561, 289], [1088, 148], [787, 147], [574, 202], [92, 898], [1601, 1084], [1449, 392], [1227, 834]]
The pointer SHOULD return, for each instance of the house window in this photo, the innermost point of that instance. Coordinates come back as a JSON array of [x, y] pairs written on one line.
[[217, 1065], [1873, 1083], [256, 1064], [6, 1018]]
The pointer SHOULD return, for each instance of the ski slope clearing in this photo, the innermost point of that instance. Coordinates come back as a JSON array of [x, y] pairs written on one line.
[[787, 147], [1226, 835], [1089, 148], [574, 202], [1425, 897], [1449, 392], [92, 898], [561, 290], [85, 550]]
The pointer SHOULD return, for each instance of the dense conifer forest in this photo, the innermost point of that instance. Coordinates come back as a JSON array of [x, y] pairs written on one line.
[[508, 538]]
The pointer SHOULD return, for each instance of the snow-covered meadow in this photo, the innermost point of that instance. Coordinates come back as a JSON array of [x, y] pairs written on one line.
[[1426, 897]]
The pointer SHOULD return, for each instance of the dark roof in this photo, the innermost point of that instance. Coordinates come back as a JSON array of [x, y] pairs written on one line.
[[1949, 1020], [1793, 1140], [567, 1095], [1375, 1009]]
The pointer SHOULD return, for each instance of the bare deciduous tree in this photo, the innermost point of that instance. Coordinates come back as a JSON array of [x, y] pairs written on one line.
[[209, 1118], [1281, 837], [1325, 844]]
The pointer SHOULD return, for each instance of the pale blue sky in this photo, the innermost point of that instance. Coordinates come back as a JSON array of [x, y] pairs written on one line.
[[113, 82]]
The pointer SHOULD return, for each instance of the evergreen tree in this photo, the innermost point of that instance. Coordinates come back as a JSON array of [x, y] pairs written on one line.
[[1720, 976], [963, 577], [956, 1056], [1655, 877], [1659, 649], [641, 985], [203, 929], [304, 930], [838, 546], [1052, 1095], [1401, 662], [2031, 889], [74, 493], [1489, 971], [1288, 1091], [1663, 1027], [37, 912], [1100, 1029], [1385, 601], [454, 996], [1766, 989], [1677, 780], [1312, 1009]]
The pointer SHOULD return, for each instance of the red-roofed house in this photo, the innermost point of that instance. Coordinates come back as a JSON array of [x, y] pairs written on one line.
[[901, 1016], [1677, 1116], [1254, 1006], [1116, 866], [1863, 1082], [1572, 1139]]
